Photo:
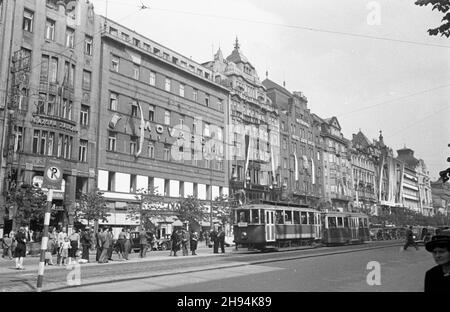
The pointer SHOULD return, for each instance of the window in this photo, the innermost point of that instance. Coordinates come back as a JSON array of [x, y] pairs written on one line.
[[86, 80], [167, 84], [50, 30], [206, 131], [60, 143], [151, 150], [166, 155], [113, 31], [243, 216], [195, 95], [53, 69], [310, 217], [28, 20], [82, 151], [134, 108], [133, 145], [88, 42], [125, 37], [147, 46], [165, 56], [84, 115], [71, 75], [112, 142], [44, 67], [207, 99], [151, 112], [279, 217], [136, 42], [152, 78], [296, 217], [113, 101], [36, 134], [255, 216], [181, 89], [167, 117], [331, 222], [288, 217], [70, 35], [220, 105], [136, 71], [115, 63]]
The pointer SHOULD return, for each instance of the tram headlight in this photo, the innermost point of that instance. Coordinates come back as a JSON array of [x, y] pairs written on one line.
[[244, 235]]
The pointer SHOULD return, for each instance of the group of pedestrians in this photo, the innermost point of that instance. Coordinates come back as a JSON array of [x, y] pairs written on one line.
[[182, 240]]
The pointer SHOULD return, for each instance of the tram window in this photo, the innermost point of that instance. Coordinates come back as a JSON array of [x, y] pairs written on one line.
[[339, 221], [288, 217], [346, 222], [296, 217], [303, 218], [360, 222], [331, 222], [262, 214], [244, 216], [365, 222], [310, 218], [255, 216], [279, 217]]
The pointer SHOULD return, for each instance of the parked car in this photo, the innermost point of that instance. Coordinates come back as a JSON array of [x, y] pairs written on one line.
[[134, 238]]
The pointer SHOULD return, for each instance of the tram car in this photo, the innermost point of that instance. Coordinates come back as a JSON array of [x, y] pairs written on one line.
[[262, 226], [344, 228]]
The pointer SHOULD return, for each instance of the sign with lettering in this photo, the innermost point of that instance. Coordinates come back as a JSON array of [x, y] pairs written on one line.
[[52, 176]]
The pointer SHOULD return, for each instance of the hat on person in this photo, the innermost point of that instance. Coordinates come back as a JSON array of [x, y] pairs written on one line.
[[438, 241]]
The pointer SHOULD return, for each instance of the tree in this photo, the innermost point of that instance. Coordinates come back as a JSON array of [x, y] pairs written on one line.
[[444, 7], [28, 203], [150, 205], [221, 208], [91, 207], [190, 209]]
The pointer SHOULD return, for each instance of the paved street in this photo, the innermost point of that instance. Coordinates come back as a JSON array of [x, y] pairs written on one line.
[[322, 269]]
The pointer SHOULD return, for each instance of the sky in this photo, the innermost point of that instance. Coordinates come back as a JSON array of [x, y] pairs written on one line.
[[371, 64]]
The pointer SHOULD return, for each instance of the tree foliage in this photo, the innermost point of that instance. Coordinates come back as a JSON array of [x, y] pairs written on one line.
[[190, 209], [28, 203], [150, 205], [91, 207], [221, 207], [401, 216], [442, 6]]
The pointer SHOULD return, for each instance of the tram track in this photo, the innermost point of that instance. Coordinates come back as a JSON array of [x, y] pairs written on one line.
[[281, 255]]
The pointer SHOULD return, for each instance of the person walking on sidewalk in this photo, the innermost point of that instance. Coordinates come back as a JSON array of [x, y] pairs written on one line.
[[86, 243], [6, 246], [185, 240], [143, 241], [410, 239], [127, 244], [175, 240], [98, 244], [121, 244], [194, 242], [110, 237], [74, 243], [104, 243], [60, 238], [64, 251], [21, 248], [214, 240], [221, 239]]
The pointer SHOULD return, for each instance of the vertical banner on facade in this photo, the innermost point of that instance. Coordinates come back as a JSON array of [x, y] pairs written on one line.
[[141, 135], [272, 156], [313, 174], [247, 160], [296, 165]]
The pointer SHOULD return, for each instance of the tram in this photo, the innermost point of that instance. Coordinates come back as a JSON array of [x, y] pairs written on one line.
[[263, 226], [345, 228]]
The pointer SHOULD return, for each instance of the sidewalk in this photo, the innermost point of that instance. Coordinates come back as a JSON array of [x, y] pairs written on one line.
[[31, 263]]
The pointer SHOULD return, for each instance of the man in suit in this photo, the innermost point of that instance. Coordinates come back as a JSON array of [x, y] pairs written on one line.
[[104, 241], [221, 239], [110, 237], [143, 241], [98, 244], [215, 241]]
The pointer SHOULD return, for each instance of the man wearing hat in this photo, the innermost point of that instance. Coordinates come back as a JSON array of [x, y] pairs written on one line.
[[437, 279]]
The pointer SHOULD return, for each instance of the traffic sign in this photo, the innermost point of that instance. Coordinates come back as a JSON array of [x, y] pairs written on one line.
[[52, 176]]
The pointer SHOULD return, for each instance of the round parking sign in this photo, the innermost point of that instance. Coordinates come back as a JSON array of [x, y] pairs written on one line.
[[52, 177]]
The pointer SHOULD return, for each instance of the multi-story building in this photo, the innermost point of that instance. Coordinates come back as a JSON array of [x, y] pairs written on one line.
[[253, 128], [441, 198], [47, 68], [300, 167], [410, 183], [364, 162], [336, 163], [425, 194], [161, 124]]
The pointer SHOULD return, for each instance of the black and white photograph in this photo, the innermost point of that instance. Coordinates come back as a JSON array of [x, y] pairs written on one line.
[[224, 152]]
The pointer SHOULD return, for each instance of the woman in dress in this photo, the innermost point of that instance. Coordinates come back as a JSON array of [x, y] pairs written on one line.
[[21, 248]]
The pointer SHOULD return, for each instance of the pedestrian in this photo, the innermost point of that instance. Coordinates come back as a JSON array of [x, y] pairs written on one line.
[[64, 251], [104, 242], [110, 237], [194, 241], [59, 241], [185, 240], [221, 239], [21, 248], [74, 243], [49, 252], [86, 243], [127, 244], [410, 239], [143, 241], [437, 279], [6, 246], [175, 240], [121, 243], [98, 244], [214, 240]]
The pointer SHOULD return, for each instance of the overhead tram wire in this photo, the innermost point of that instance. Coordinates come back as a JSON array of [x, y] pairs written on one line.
[[395, 99], [307, 28]]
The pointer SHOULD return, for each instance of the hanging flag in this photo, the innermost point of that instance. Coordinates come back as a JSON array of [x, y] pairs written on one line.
[[273, 164], [247, 161], [296, 165], [141, 136], [313, 171], [113, 122]]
